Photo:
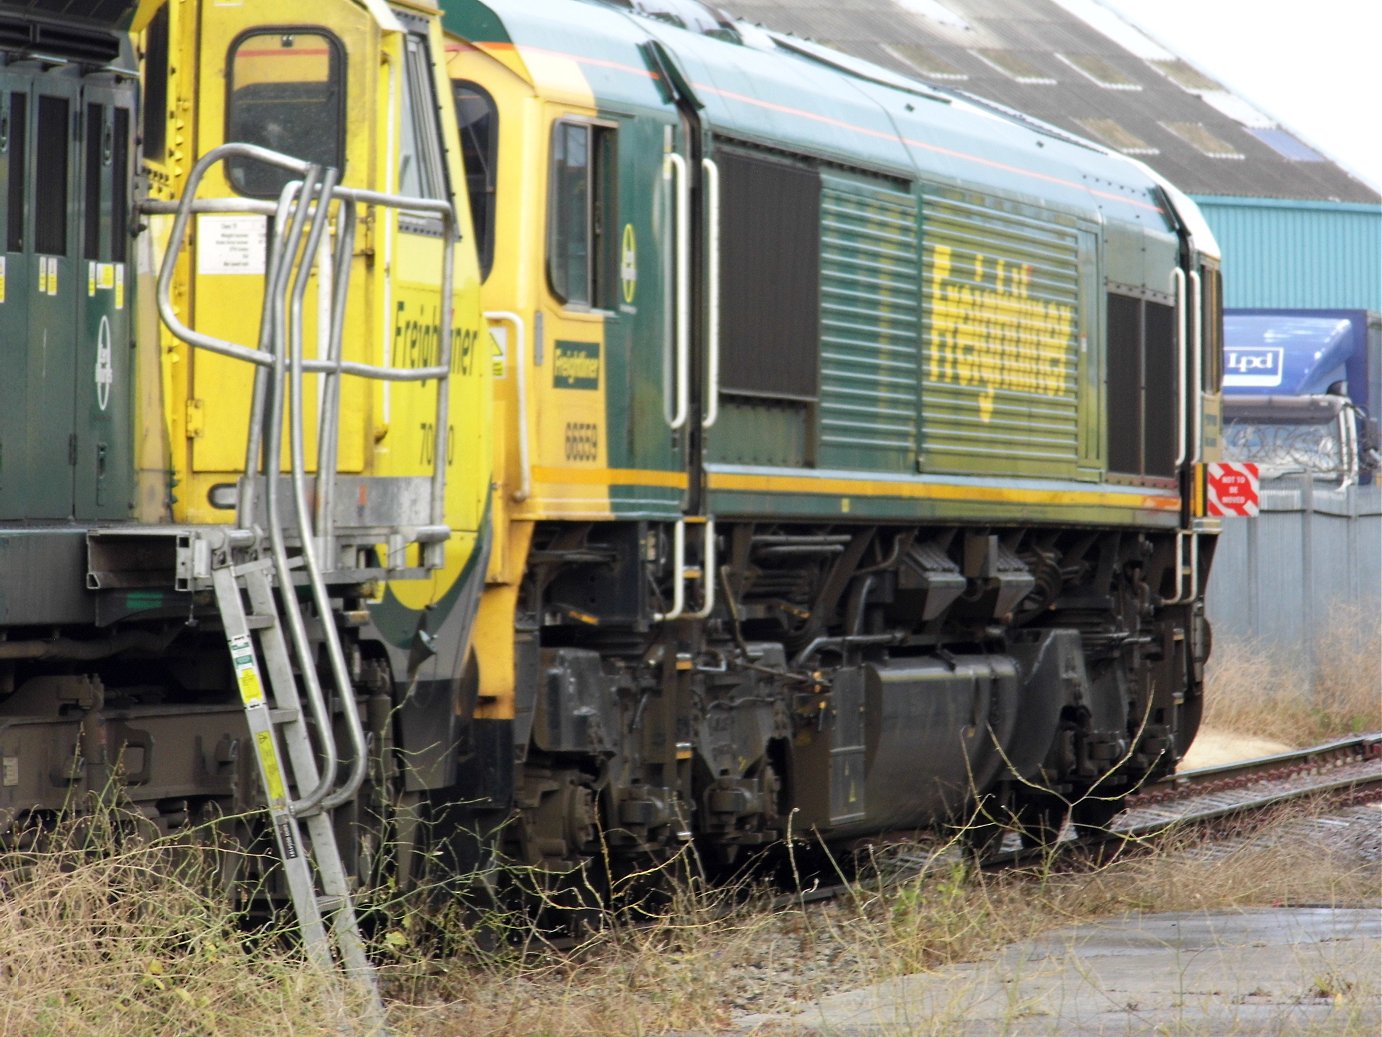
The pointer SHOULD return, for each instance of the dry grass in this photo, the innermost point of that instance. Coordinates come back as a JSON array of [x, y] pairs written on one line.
[[702, 963], [112, 936], [134, 941], [1268, 690]]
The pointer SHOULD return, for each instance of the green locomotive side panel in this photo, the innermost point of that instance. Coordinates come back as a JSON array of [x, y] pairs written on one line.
[[65, 300], [104, 379], [763, 432], [870, 321], [14, 290], [637, 352], [1001, 348], [39, 451]]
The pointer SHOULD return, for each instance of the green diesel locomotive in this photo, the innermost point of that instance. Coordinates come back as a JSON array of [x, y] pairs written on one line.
[[846, 436]]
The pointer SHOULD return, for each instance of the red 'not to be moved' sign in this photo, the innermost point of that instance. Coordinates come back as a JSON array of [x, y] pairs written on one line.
[[1230, 488]]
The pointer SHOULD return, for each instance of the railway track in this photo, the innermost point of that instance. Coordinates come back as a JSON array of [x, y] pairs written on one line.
[[1345, 771], [1350, 768]]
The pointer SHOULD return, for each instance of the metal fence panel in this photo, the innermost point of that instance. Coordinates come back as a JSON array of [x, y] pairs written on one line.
[[1281, 578]]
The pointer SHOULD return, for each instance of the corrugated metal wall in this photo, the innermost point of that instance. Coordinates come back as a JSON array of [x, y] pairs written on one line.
[[1278, 578], [1310, 255]]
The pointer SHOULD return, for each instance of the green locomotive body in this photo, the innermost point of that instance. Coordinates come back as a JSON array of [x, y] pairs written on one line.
[[847, 436]]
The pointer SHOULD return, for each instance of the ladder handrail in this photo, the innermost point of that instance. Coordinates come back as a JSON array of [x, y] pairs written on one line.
[[302, 514], [302, 216], [328, 423], [313, 797], [184, 208]]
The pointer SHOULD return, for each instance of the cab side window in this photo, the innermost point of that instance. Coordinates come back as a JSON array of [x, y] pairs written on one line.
[[582, 228], [478, 120], [286, 92], [421, 171]]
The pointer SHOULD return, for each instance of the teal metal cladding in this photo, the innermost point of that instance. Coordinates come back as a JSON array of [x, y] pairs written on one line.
[[870, 324], [1000, 355], [1298, 255]]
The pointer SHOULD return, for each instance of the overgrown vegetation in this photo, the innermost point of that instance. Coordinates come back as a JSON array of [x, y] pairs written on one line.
[[1301, 694], [105, 933], [137, 939], [712, 955]]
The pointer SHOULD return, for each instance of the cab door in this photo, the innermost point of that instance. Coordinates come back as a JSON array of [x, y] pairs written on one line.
[[103, 453], [285, 86], [15, 107], [603, 366], [38, 437]]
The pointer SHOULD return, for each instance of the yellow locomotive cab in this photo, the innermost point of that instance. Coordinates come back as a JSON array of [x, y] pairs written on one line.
[[354, 88]]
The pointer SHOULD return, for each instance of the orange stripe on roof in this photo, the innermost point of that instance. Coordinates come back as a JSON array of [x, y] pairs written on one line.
[[580, 59], [284, 52], [773, 106], [994, 164]]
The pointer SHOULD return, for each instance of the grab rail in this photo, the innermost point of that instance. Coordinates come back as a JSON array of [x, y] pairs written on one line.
[[520, 374], [301, 218], [674, 168], [712, 293]]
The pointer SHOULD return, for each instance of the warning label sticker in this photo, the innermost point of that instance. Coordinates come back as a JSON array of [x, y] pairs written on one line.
[[231, 244]]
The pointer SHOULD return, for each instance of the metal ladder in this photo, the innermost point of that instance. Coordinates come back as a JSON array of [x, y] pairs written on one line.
[[268, 549], [326, 916]]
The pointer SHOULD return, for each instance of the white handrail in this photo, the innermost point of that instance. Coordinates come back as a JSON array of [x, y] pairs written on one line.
[[1182, 593], [680, 571], [1197, 344], [712, 293], [1178, 289], [707, 573], [520, 373], [678, 574], [675, 165]]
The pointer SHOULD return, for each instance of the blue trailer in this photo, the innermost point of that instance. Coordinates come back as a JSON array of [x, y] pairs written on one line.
[[1301, 391]]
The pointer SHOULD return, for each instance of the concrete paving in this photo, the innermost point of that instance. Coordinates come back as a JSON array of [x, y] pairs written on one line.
[[1256, 972]]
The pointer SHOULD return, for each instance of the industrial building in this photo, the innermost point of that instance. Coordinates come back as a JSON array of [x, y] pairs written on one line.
[[1297, 230]]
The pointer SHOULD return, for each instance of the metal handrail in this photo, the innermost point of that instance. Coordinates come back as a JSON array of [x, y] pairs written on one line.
[[520, 375], [301, 218], [273, 449], [674, 168], [184, 210], [712, 293], [1178, 290], [1197, 366]]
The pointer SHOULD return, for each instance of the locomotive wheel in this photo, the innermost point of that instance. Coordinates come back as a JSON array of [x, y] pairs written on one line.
[[982, 836], [1039, 820], [1091, 814]]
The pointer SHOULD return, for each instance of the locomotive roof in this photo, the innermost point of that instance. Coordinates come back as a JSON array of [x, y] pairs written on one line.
[[1107, 82], [799, 97]]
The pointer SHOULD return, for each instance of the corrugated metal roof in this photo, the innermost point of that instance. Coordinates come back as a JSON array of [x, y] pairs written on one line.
[[1176, 125]]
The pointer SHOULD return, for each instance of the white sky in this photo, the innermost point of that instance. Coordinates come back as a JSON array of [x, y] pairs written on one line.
[[1314, 66]]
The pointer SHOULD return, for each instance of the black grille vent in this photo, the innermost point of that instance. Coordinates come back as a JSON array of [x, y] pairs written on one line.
[[770, 247], [76, 42]]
